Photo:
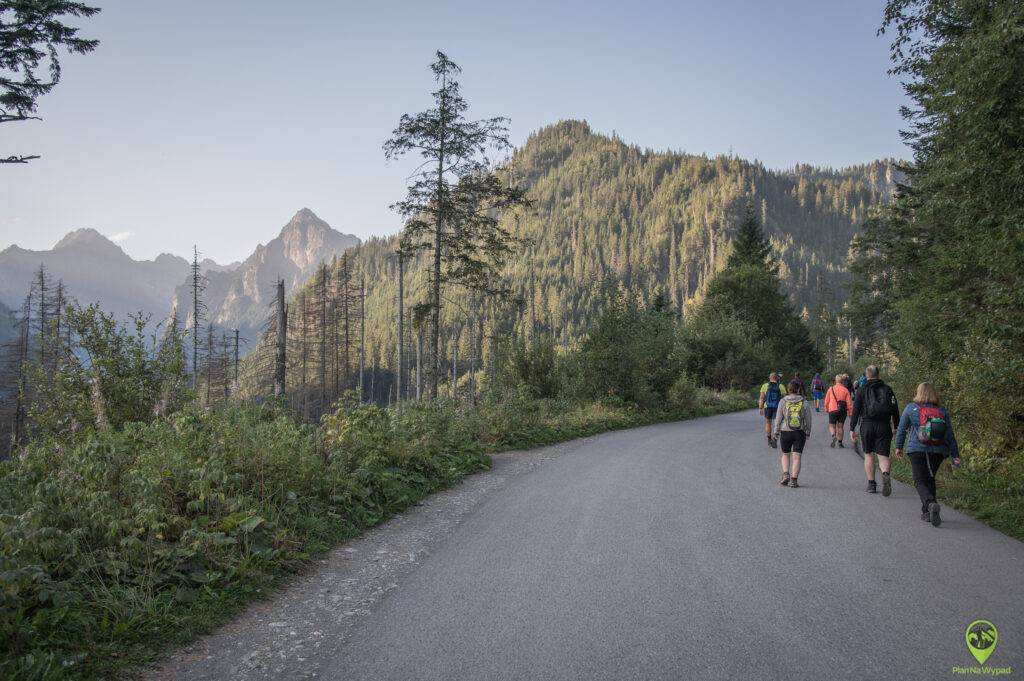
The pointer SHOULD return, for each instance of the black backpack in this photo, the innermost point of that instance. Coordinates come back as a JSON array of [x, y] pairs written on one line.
[[877, 405]]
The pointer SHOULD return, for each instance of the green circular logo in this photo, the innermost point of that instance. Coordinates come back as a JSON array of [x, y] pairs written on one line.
[[981, 637]]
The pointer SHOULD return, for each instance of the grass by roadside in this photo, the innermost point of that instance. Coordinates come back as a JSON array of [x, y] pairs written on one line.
[[988, 488], [118, 545]]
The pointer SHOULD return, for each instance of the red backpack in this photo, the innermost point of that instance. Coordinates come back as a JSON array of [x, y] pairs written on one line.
[[932, 425]]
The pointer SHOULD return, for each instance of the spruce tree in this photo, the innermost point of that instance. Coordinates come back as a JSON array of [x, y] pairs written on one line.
[[750, 246], [455, 198], [749, 289]]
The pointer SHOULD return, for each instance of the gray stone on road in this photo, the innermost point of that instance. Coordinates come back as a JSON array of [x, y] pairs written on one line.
[[665, 552]]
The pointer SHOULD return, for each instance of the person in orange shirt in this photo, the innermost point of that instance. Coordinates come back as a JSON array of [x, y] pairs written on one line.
[[837, 404]]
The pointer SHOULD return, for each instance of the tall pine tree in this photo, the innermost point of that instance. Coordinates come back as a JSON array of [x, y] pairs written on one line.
[[455, 198]]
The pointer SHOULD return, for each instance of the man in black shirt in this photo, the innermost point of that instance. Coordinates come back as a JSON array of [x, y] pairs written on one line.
[[875, 409]]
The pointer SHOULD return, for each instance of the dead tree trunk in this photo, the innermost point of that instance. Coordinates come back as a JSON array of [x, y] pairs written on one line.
[[401, 328], [19, 406], [419, 365], [362, 335], [323, 338], [304, 354], [282, 338], [455, 362], [235, 386], [373, 376]]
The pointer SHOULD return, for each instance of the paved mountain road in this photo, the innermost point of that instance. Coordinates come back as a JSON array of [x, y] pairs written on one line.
[[666, 552]]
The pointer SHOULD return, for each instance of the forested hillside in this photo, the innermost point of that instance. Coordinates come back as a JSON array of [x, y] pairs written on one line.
[[607, 214], [605, 209]]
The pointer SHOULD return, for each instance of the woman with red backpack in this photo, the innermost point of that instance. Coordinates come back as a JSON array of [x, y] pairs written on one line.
[[927, 430]]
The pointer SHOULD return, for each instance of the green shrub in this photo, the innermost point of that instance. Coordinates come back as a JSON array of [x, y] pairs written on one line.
[[723, 350], [630, 354], [114, 540], [683, 395]]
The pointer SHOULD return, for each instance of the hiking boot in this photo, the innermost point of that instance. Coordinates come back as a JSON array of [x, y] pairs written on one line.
[[793, 483], [773, 443], [933, 514], [785, 479], [926, 516], [833, 445], [841, 445], [872, 487], [886, 484]]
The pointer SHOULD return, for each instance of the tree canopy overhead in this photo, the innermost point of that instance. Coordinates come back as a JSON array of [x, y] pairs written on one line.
[[31, 31]]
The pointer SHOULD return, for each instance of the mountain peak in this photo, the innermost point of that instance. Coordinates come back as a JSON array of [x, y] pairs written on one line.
[[87, 237], [306, 238], [305, 216]]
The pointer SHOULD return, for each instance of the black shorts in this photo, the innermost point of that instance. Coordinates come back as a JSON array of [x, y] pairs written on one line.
[[876, 437], [792, 441], [769, 413], [837, 416]]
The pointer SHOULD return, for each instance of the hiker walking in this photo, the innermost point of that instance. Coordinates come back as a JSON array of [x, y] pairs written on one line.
[[792, 429], [859, 384], [837, 405], [876, 411], [927, 431], [768, 402], [817, 391], [796, 377]]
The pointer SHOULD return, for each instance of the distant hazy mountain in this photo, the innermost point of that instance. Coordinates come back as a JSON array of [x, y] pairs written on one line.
[[238, 297], [94, 269], [207, 265]]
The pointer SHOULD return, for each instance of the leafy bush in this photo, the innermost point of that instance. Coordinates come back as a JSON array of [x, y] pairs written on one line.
[[530, 363], [112, 375], [683, 395], [630, 354], [723, 350], [124, 535]]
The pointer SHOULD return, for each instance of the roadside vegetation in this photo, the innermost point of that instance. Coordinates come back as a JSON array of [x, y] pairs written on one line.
[[937, 293], [134, 516]]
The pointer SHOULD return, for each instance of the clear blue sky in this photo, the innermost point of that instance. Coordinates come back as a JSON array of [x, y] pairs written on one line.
[[213, 121]]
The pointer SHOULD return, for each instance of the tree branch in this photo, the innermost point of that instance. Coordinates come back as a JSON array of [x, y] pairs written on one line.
[[18, 159]]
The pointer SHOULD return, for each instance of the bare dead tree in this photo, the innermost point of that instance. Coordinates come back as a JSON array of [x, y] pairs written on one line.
[[362, 333], [197, 282], [281, 352], [401, 327], [322, 303]]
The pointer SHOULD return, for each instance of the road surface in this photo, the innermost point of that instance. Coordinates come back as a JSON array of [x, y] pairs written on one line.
[[665, 552]]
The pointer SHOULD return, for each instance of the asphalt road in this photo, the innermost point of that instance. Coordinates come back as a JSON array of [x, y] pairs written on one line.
[[671, 552]]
